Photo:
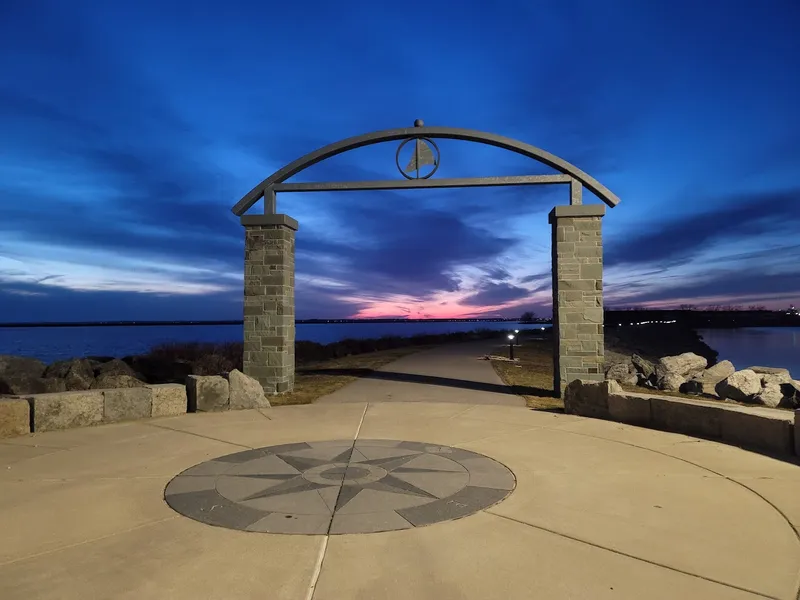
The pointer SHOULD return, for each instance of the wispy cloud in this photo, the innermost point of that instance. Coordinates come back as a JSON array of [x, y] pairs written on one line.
[[129, 130]]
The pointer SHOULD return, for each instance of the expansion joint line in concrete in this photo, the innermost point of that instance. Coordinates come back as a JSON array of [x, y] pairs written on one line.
[[625, 554], [84, 542], [713, 472], [200, 435], [312, 588], [34, 446], [503, 434]]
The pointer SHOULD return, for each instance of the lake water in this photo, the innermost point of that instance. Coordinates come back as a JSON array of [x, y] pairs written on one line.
[[766, 346], [58, 343], [757, 346]]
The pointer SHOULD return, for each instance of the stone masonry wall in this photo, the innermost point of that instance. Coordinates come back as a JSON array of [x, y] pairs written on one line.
[[577, 294], [269, 328]]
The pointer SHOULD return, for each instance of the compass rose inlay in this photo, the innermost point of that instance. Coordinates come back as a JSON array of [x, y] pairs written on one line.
[[339, 487]]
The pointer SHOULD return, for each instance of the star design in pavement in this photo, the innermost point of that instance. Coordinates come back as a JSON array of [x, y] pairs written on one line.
[[349, 471], [339, 487]]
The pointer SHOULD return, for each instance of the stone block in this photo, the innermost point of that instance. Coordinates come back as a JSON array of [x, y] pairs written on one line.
[[682, 417], [797, 432], [207, 393], [587, 398], [591, 271], [245, 392], [126, 404], [632, 409], [66, 410], [757, 431], [168, 399], [15, 417]]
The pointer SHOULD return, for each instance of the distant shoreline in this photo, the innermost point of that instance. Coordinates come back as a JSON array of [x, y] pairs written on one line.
[[693, 319], [297, 322]]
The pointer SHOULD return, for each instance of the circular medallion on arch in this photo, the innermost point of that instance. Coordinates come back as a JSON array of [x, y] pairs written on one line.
[[338, 487], [420, 157]]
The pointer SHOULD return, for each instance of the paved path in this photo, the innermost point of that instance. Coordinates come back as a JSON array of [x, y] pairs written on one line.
[[599, 511], [451, 373]]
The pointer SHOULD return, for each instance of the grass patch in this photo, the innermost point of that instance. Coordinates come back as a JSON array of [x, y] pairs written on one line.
[[310, 385], [531, 375]]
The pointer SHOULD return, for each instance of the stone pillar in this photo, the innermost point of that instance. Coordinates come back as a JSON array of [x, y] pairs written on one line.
[[577, 248], [269, 301]]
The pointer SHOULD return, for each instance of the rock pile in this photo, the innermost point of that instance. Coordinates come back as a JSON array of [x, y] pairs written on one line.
[[689, 373], [22, 375], [229, 390]]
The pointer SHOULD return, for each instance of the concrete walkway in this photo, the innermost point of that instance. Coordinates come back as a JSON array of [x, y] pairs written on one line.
[[452, 373], [600, 510]]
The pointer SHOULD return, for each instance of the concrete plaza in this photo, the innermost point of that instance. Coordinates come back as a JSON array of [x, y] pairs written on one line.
[[598, 510]]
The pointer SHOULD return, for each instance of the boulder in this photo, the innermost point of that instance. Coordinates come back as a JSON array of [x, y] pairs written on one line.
[[77, 373], [21, 365], [105, 381], [115, 367], [770, 395], [99, 359], [671, 382], [685, 365], [706, 382], [25, 384], [779, 378], [206, 393], [60, 368], [742, 386], [52, 385], [245, 392], [631, 380], [770, 371], [644, 367], [620, 371], [791, 394], [80, 376], [782, 395]]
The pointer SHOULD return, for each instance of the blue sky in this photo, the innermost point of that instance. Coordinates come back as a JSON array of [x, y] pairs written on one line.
[[129, 129]]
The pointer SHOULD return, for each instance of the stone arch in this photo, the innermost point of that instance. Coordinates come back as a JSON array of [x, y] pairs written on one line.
[[577, 265]]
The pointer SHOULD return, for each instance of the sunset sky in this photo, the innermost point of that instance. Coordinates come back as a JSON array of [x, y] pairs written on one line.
[[128, 129]]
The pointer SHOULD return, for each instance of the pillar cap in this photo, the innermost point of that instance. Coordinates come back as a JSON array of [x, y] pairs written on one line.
[[577, 210], [256, 220]]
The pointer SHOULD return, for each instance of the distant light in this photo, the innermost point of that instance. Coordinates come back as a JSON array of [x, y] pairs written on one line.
[[511, 336], [542, 328], [516, 331]]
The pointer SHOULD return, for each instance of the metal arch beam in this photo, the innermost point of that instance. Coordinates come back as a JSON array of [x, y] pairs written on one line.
[[450, 133]]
